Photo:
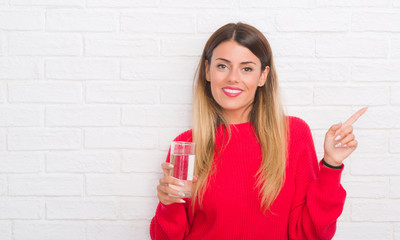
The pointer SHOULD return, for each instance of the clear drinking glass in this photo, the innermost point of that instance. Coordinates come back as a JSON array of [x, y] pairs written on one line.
[[182, 156]]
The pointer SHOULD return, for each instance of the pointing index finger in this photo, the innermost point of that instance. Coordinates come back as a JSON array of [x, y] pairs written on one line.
[[355, 116]]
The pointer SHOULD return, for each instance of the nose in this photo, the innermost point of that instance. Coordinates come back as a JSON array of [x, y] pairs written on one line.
[[234, 75]]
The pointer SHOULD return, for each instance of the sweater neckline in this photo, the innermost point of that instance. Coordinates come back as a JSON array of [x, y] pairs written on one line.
[[238, 126]]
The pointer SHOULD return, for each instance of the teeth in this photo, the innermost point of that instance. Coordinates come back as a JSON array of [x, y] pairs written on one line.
[[232, 91]]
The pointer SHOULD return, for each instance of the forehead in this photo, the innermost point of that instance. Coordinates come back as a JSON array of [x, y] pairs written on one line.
[[234, 52]]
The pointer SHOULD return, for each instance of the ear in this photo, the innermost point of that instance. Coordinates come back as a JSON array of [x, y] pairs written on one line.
[[263, 77], [207, 70]]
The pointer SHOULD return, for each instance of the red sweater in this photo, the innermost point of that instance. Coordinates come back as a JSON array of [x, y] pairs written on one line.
[[307, 207]]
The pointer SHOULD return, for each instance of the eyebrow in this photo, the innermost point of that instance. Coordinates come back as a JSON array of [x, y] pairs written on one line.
[[225, 60]]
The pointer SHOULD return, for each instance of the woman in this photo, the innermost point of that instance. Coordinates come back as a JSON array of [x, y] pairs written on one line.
[[258, 176]]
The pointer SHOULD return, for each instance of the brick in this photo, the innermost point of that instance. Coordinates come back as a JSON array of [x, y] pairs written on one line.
[[24, 162], [388, 71], [376, 210], [46, 230], [157, 22], [3, 187], [375, 165], [366, 187], [274, 4], [20, 68], [299, 46], [80, 209], [353, 3], [120, 46], [58, 3], [394, 187], [183, 46], [44, 92], [197, 4], [313, 71], [339, 95], [297, 95], [3, 139], [2, 93], [375, 22], [352, 47], [82, 162], [370, 141], [142, 160], [395, 95], [44, 139], [212, 20], [83, 116], [159, 69], [164, 116], [394, 142], [320, 117], [167, 135], [120, 92], [82, 69], [310, 20], [20, 209], [21, 116], [44, 44], [81, 20], [121, 3], [121, 230], [33, 185], [2, 43], [138, 138], [366, 231], [21, 20], [138, 208], [122, 185], [397, 226], [176, 93], [5, 230], [395, 47], [380, 118]]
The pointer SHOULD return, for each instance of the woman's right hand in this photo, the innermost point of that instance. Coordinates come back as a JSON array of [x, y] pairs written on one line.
[[167, 194]]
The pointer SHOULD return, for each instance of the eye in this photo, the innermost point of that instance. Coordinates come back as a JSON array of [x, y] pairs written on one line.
[[247, 69], [221, 66]]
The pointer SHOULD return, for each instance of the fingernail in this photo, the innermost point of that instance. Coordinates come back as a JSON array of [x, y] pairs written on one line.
[[170, 165], [181, 184], [338, 137], [181, 194], [181, 200], [338, 145], [344, 145]]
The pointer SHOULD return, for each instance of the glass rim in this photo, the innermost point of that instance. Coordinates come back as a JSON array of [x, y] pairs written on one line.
[[184, 142]]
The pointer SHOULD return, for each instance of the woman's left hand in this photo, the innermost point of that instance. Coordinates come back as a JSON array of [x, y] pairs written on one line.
[[340, 141]]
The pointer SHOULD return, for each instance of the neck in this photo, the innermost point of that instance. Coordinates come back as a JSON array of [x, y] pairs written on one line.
[[237, 117]]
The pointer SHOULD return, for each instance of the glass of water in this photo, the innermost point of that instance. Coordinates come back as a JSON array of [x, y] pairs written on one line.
[[182, 156]]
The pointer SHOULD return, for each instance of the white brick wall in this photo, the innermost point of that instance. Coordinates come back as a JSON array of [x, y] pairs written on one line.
[[93, 91]]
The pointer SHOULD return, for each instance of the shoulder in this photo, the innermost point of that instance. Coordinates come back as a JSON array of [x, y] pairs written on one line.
[[185, 136], [297, 123], [298, 127]]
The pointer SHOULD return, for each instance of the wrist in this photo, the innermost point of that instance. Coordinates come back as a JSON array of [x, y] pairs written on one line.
[[329, 165]]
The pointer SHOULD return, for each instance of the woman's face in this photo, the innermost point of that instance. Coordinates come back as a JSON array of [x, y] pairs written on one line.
[[234, 74]]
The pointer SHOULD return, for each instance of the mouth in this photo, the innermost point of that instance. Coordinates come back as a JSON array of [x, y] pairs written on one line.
[[232, 92]]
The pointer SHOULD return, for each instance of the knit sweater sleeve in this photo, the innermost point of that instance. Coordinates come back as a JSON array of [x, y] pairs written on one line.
[[171, 221], [319, 196]]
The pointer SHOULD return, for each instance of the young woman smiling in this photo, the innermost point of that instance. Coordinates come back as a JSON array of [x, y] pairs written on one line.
[[258, 176]]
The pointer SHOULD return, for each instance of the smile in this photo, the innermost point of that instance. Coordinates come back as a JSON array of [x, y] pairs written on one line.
[[232, 92]]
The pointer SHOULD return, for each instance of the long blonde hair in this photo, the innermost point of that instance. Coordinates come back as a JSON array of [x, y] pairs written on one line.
[[266, 115]]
